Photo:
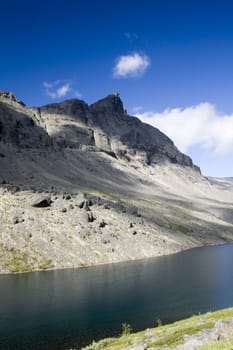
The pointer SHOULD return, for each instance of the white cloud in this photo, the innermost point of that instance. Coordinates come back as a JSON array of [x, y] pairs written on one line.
[[48, 85], [63, 90], [59, 89], [201, 125], [133, 65]]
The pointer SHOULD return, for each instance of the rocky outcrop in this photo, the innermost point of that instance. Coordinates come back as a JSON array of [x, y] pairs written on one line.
[[18, 125], [105, 126], [8, 96], [129, 138], [72, 142]]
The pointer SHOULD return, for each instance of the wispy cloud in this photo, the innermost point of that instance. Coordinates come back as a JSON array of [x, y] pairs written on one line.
[[59, 89], [131, 36], [137, 109], [77, 94], [132, 65], [201, 125]]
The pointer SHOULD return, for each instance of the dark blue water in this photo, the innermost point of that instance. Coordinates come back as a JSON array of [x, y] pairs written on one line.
[[69, 308]]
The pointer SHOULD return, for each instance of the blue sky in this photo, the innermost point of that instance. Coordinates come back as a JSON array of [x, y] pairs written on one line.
[[171, 60]]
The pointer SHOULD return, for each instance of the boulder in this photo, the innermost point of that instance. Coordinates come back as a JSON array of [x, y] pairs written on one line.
[[40, 201], [90, 217]]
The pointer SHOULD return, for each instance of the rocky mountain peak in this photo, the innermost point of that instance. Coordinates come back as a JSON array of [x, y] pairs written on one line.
[[71, 107], [6, 95], [110, 104], [74, 108], [103, 126], [9, 97]]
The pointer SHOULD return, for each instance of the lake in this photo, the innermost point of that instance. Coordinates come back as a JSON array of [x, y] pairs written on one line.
[[62, 309]]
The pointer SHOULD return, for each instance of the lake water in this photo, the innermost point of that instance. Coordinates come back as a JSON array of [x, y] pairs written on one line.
[[68, 308]]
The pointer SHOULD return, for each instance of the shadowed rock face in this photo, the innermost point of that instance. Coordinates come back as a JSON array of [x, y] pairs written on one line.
[[18, 127], [106, 126], [74, 108], [73, 144], [128, 135]]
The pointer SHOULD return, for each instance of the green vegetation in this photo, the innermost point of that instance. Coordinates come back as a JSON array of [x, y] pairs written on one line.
[[126, 329], [82, 264], [168, 335], [175, 337], [105, 195], [47, 264], [179, 228], [17, 261], [220, 345]]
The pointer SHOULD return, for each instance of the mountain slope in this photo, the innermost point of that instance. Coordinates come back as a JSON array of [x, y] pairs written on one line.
[[85, 185]]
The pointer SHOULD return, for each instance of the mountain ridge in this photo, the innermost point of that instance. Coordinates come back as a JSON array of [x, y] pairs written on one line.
[[104, 124]]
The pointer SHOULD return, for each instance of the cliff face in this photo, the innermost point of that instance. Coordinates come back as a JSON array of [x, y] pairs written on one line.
[[103, 126], [128, 136], [18, 125], [106, 126]]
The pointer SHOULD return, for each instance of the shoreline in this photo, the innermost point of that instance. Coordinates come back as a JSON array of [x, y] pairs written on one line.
[[114, 263], [203, 331]]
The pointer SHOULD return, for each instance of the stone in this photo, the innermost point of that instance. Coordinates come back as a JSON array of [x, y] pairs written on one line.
[[14, 189], [85, 205], [102, 224], [40, 201], [68, 197], [16, 219], [90, 217], [219, 325], [82, 202]]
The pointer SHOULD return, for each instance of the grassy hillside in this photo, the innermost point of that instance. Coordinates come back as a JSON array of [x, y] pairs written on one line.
[[213, 330]]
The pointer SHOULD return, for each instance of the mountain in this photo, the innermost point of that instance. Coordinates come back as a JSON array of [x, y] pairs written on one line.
[[87, 184]]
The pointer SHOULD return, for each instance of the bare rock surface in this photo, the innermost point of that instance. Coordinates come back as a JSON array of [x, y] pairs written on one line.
[[85, 185]]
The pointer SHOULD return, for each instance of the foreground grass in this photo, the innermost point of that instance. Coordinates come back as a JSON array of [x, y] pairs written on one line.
[[221, 345], [169, 335]]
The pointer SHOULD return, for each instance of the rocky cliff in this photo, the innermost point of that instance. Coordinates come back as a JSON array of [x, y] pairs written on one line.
[[88, 184], [103, 126]]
